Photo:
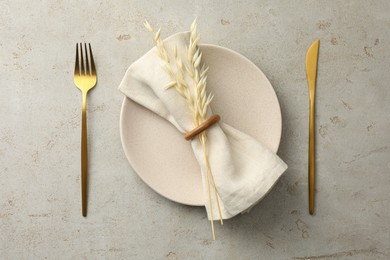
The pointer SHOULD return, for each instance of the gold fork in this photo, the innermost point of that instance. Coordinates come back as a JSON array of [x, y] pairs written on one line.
[[85, 80]]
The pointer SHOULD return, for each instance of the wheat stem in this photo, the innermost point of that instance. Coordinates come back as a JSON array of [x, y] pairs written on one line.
[[211, 176], [201, 139]]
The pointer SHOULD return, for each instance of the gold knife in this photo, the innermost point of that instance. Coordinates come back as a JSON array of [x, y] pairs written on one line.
[[311, 75]]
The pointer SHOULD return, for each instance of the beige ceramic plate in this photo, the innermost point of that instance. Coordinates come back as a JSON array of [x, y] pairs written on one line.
[[243, 97]]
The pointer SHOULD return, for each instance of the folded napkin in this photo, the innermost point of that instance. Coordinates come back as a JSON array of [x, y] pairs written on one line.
[[244, 169]]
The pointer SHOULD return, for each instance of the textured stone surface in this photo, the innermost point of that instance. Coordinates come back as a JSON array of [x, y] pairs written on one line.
[[40, 132]]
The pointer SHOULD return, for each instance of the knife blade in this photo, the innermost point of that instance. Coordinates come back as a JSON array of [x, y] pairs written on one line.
[[311, 75]]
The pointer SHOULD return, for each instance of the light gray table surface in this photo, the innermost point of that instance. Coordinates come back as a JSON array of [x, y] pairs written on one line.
[[40, 215]]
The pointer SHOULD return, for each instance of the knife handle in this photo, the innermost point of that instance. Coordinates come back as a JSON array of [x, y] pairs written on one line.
[[311, 155]]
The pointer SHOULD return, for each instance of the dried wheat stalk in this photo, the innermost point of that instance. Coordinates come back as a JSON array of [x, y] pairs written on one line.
[[199, 101]]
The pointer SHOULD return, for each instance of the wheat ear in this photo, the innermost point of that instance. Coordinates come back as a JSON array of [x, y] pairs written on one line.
[[202, 99], [198, 105], [177, 78]]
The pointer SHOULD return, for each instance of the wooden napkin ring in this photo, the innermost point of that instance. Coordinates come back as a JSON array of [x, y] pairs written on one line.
[[199, 129]]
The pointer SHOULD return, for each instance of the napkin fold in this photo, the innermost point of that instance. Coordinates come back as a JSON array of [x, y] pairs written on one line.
[[244, 169]]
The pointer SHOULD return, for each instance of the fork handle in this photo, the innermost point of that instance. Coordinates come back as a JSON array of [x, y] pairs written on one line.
[[84, 156], [311, 155]]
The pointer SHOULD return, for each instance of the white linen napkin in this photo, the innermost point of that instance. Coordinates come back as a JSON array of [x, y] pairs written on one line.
[[244, 169]]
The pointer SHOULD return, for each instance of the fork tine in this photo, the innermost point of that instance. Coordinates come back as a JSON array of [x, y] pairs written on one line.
[[93, 70], [76, 67], [87, 69], [82, 59]]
